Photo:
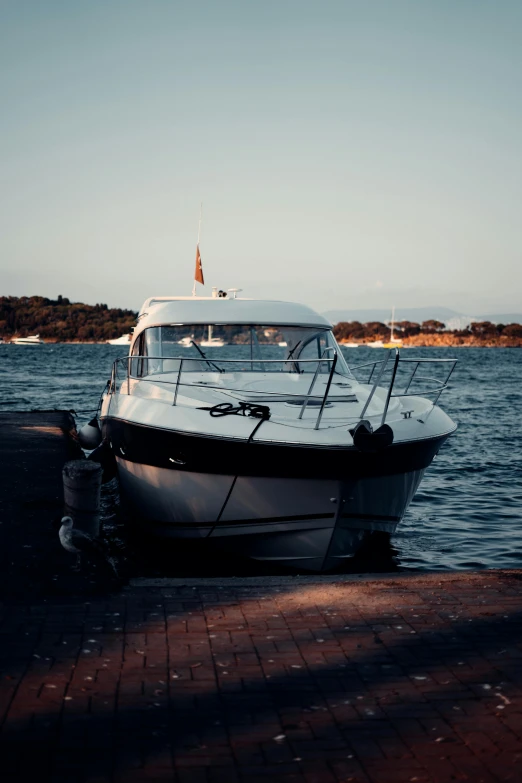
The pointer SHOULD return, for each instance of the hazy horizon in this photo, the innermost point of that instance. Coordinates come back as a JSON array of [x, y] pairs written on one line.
[[348, 155]]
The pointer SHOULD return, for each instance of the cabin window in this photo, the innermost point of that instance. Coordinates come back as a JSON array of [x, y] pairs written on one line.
[[314, 347], [252, 347]]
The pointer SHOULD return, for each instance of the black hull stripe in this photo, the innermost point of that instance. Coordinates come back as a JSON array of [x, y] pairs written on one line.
[[257, 521], [374, 517], [195, 453]]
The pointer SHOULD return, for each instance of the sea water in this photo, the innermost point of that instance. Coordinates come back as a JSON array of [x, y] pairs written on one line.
[[468, 510]]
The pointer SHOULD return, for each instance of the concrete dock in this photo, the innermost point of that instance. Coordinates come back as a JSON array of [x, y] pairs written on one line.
[[33, 448], [403, 677]]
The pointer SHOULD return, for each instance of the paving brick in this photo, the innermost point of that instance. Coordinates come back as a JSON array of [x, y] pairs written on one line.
[[365, 682]]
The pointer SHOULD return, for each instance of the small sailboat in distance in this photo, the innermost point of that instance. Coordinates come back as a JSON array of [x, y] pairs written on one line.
[[212, 342], [393, 342]]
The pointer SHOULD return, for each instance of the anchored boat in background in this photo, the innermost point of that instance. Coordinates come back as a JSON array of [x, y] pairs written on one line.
[[281, 453], [212, 342], [125, 339], [32, 340], [392, 342]]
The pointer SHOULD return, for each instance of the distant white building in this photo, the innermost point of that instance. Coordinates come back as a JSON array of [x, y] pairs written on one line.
[[460, 322]]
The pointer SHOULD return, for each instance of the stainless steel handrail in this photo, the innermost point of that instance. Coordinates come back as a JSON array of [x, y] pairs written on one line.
[[411, 378], [309, 396], [367, 364], [390, 387], [181, 359], [112, 384], [316, 373], [178, 381], [328, 384], [438, 388], [376, 383], [428, 360], [286, 360], [435, 401], [422, 359]]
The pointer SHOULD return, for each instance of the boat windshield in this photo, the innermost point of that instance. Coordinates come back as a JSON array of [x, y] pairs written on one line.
[[208, 347]]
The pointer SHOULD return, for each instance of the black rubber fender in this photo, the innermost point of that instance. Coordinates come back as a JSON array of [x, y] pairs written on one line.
[[368, 440], [104, 456]]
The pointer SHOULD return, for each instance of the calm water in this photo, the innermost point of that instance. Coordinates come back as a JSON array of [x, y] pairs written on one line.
[[468, 511]]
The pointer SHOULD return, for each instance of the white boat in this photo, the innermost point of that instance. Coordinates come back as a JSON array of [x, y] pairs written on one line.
[[125, 339], [294, 461], [32, 340], [211, 342]]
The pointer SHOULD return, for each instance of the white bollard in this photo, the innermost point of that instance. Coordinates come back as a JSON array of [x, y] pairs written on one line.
[[81, 490]]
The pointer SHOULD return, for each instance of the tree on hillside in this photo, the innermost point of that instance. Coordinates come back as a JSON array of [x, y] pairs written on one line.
[[484, 329], [61, 319], [431, 326], [349, 330], [376, 329], [512, 330], [407, 328]]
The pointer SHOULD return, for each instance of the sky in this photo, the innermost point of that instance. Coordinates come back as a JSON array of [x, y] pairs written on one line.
[[348, 153]]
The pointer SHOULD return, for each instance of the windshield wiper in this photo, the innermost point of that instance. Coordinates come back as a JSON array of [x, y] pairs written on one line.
[[296, 364], [208, 361]]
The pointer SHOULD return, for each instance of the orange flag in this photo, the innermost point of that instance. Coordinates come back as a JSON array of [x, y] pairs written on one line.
[[198, 275]]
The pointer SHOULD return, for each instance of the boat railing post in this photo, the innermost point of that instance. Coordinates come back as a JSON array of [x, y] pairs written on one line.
[[375, 384], [411, 378], [112, 387], [390, 387], [309, 392], [178, 381], [329, 383], [128, 374], [444, 384], [374, 365]]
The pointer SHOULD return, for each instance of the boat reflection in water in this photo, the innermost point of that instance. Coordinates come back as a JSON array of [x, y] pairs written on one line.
[[295, 462]]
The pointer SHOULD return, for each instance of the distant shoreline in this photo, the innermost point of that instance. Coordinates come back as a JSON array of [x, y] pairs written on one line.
[[419, 341], [62, 322], [449, 341]]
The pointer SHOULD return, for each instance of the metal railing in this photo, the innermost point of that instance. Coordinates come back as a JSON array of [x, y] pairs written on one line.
[[134, 367], [440, 384], [328, 384], [127, 363]]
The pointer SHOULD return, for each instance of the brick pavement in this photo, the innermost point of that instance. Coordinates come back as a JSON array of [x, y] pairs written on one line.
[[403, 678]]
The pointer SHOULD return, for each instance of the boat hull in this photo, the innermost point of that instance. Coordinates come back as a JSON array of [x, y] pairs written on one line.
[[301, 507], [214, 454]]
